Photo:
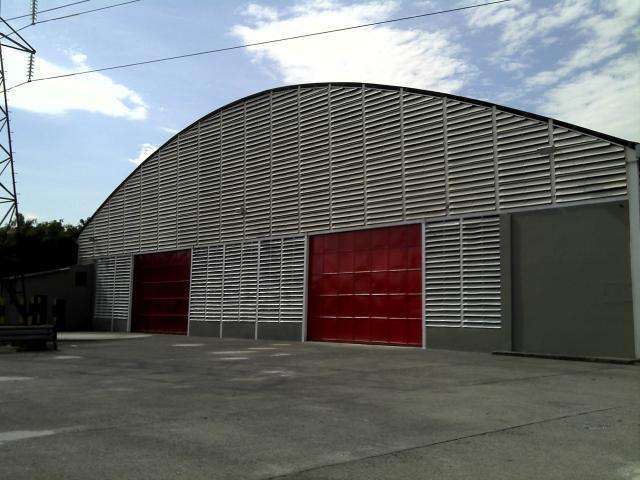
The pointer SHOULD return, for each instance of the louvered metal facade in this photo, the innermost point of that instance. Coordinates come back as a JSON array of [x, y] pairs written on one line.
[[244, 185]]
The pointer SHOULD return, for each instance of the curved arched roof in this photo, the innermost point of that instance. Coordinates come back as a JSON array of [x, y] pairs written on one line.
[[523, 113]]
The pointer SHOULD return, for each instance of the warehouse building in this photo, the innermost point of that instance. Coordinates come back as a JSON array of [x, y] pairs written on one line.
[[368, 213]]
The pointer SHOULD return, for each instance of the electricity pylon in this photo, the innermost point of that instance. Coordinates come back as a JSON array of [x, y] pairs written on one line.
[[12, 283]]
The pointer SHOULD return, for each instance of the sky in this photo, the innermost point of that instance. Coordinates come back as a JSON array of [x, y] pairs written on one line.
[[76, 139]]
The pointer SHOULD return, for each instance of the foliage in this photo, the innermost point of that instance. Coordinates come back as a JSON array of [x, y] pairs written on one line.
[[38, 246]]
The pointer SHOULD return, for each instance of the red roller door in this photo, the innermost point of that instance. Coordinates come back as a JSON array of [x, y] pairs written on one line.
[[161, 292], [366, 286]]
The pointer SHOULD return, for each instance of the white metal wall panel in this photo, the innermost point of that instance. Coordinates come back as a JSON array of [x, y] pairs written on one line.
[[132, 212], [315, 173], [311, 158], [113, 289], [198, 286], [284, 162], [443, 274], [232, 180], [249, 282], [470, 156], [424, 161], [384, 175], [231, 278], [292, 280], [587, 168], [462, 273], [258, 168], [149, 205], [481, 272], [116, 222], [187, 192], [347, 157], [269, 281], [524, 172], [215, 282], [168, 195], [85, 244], [209, 181]]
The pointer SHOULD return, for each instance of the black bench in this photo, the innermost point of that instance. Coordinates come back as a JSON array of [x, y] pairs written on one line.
[[29, 336]]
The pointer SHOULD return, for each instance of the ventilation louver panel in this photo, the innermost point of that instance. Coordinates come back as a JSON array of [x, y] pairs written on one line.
[[292, 280], [167, 196], [231, 292], [470, 156], [443, 274], [284, 162], [187, 188], [215, 283], [113, 291], [122, 292], [347, 157], [116, 222], [462, 273], [85, 244], [481, 272], [105, 269], [198, 286], [101, 231], [232, 180], [524, 173], [424, 163], [149, 205], [315, 190], [132, 212], [209, 181], [249, 282], [586, 167], [383, 153], [258, 170], [269, 281]]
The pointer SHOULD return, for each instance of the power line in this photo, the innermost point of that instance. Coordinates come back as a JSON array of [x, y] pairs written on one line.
[[266, 42], [48, 9], [77, 14]]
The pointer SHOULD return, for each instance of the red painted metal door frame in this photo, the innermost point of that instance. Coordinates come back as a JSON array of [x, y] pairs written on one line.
[[161, 292], [366, 286]]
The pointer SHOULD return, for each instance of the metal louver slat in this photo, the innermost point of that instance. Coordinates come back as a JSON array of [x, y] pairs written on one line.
[[258, 167], [586, 167], [249, 282], [462, 273], [149, 205], [113, 291], [232, 180], [269, 281], [122, 292], [231, 278], [85, 244], [315, 189], [198, 286], [187, 189], [284, 162], [383, 154], [101, 231], [347, 157], [470, 156], [168, 195], [292, 280], [105, 269], [132, 212], [524, 174], [209, 180], [424, 162], [215, 283], [116, 222]]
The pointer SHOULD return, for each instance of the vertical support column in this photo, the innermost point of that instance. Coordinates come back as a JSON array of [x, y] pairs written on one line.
[[189, 297], [305, 289], [423, 275], [505, 282], [132, 257], [633, 187]]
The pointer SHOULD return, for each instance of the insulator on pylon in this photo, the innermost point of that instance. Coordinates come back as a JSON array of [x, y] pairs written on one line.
[[30, 67], [34, 11]]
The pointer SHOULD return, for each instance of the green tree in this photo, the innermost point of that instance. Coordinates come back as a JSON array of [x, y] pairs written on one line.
[[38, 246]]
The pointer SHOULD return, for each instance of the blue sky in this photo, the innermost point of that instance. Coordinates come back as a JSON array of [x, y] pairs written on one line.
[[75, 140]]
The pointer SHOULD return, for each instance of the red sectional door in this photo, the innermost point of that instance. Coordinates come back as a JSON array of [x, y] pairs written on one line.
[[161, 292], [366, 286]]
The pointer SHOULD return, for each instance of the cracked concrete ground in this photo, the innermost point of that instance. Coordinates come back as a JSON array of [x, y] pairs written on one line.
[[177, 407]]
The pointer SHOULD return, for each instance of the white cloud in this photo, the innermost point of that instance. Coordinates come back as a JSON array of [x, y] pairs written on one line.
[[606, 100], [93, 92], [146, 149], [261, 12], [170, 131], [31, 216], [382, 54]]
